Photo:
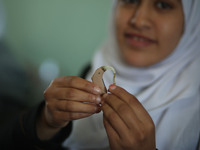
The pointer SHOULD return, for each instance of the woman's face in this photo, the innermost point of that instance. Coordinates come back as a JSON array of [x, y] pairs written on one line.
[[148, 30]]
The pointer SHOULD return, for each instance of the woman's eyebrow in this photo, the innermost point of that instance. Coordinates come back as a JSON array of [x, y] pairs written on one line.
[[180, 1], [176, 1]]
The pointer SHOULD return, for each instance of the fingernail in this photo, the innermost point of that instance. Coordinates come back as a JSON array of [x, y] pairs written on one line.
[[112, 86], [97, 89], [98, 110], [98, 99]]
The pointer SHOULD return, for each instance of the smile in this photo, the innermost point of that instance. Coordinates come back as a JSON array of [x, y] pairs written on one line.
[[135, 40]]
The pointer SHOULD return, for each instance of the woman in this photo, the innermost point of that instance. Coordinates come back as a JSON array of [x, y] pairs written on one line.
[[153, 46]]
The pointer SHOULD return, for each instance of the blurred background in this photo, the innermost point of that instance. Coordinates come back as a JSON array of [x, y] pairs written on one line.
[[51, 38]]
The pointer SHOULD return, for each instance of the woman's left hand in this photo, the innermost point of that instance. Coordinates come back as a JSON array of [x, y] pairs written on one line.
[[128, 124]]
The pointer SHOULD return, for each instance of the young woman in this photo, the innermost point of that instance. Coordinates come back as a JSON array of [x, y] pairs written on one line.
[[154, 47]]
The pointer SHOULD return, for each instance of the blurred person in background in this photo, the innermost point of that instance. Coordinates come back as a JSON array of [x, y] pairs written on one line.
[[14, 84]]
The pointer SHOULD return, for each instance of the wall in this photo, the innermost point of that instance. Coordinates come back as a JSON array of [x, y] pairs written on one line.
[[65, 31]]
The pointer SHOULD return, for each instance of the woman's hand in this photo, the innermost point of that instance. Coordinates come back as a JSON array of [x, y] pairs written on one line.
[[128, 125], [67, 99]]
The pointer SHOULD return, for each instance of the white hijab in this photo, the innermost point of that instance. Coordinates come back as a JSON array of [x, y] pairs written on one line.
[[169, 90]]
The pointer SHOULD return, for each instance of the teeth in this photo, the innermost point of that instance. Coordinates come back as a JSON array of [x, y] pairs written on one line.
[[138, 39]]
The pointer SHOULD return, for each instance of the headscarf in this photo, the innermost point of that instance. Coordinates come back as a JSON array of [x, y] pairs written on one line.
[[169, 90]]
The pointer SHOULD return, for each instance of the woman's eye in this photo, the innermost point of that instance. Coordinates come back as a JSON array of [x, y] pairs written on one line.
[[163, 5], [131, 1]]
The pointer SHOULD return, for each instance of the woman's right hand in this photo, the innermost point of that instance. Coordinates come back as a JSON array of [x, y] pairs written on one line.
[[67, 99]]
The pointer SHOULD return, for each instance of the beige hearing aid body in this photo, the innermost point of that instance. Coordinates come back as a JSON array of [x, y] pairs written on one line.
[[97, 77]]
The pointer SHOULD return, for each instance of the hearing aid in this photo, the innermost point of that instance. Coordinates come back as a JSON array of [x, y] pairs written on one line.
[[97, 77]]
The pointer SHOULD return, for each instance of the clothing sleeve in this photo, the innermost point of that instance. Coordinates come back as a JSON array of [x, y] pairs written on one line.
[[21, 133], [85, 71], [14, 85], [24, 131]]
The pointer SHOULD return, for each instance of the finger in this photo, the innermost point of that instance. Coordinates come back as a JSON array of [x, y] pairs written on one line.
[[112, 134], [78, 83], [123, 110], [132, 101], [123, 94], [76, 95], [114, 120], [78, 107], [66, 116], [61, 118]]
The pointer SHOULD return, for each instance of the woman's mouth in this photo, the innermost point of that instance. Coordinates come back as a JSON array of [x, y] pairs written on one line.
[[136, 40]]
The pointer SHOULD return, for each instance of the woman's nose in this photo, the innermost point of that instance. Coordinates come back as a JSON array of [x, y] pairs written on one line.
[[141, 17]]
